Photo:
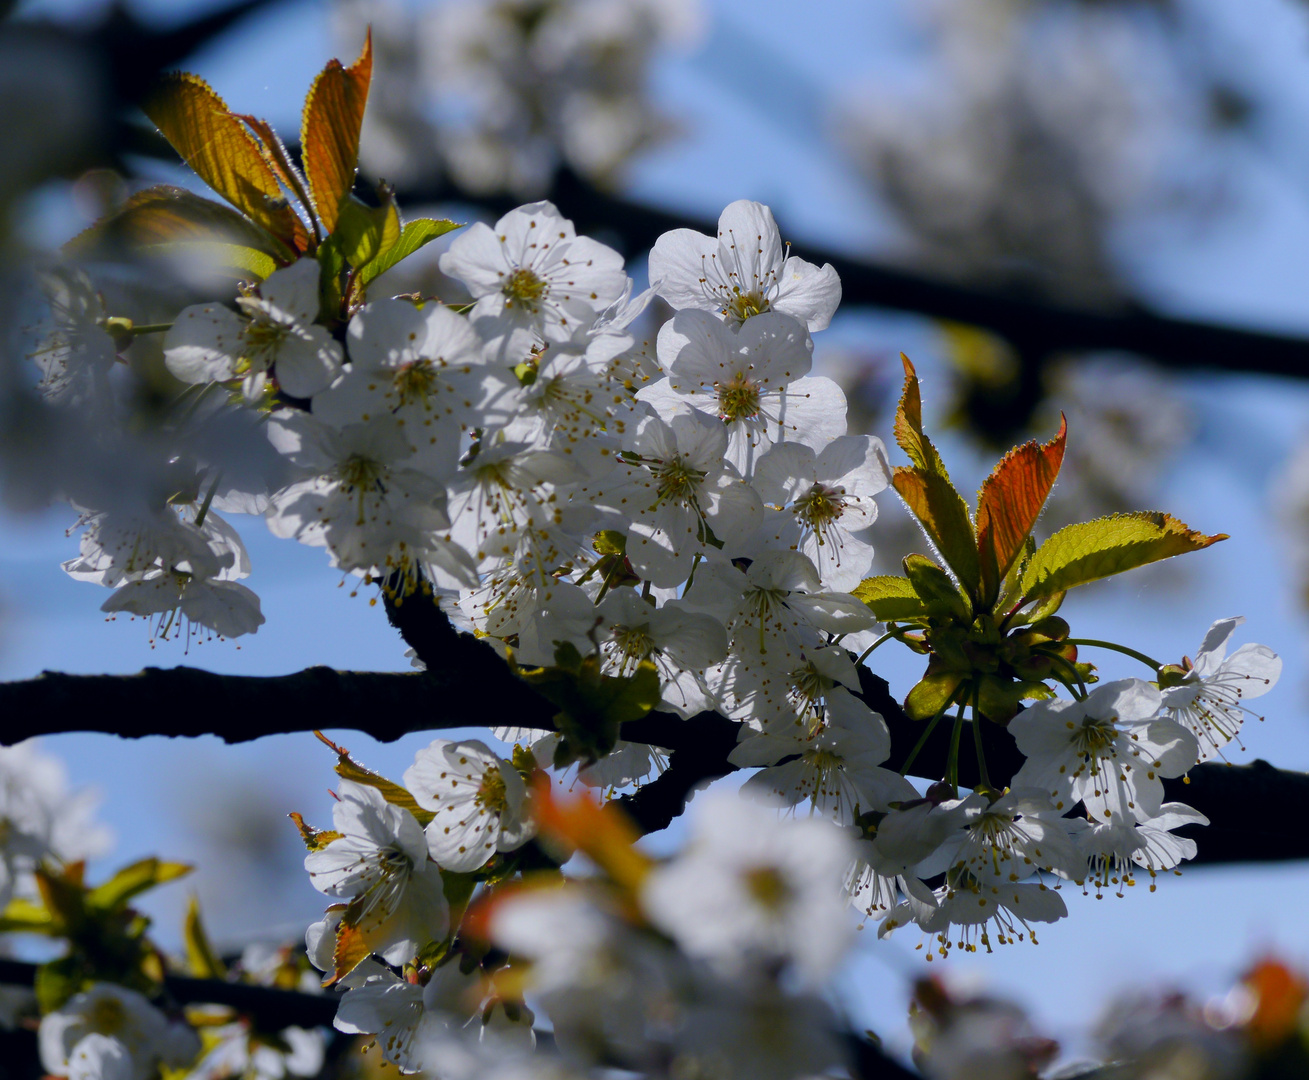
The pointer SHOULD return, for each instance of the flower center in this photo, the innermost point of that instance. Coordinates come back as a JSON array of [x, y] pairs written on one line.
[[634, 642], [359, 473], [767, 887], [415, 382], [739, 398], [745, 304], [1094, 737], [491, 793], [677, 481], [107, 1016], [523, 289], [262, 340], [820, 507]]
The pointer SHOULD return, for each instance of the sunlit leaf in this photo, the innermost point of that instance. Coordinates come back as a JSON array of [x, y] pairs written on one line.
[[413, 236], [891, 598], [1008, 505], [1091, 550], [23, 916], [130, 881], [943, 514], [365, 233], [927, 491], [165, 218], [329, 132], [223, 153]]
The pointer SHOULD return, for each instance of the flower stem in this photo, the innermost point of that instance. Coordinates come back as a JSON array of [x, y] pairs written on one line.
[[1146, 660], [952, 763], [893, 633], [151, 328], [984, 777], [922, 740], [1071, 667]]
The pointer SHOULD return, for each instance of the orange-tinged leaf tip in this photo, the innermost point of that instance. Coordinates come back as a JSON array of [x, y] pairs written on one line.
[[330, 126], [909, 371]]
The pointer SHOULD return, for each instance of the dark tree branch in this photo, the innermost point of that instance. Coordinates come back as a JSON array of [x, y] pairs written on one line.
[[1252, 807]]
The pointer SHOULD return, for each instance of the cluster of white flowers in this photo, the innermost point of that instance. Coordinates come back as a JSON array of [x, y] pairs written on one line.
[[1109, 753], [513, 461], [500, 92]]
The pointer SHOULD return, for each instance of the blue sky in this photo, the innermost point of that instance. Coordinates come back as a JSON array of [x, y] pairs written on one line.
[[753, 104]]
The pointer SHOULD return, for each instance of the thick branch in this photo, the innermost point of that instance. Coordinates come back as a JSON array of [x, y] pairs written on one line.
[[1253, 807]]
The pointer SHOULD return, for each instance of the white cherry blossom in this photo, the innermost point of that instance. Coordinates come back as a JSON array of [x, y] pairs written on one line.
[[1209, 699], [77, 353], [424, 366], [144, 1038], [837, 768], [533, 277], [752, 888], [743, 272], [675, 494], [1112, 751], [478, 799], [756, 380], [362, 497], [274, 334], [1112, 849], [827, 502], [380, 865]]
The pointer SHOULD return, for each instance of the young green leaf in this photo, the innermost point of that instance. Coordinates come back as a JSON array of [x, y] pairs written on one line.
[[130, 881], [933, 692], [1009, 503], [935, 586], [891, 598], [927, 491], [1091, 550], [413, 236], [223, 153], [943, 514], [329, 132], [366, 232], [166, 218], [909, 424]]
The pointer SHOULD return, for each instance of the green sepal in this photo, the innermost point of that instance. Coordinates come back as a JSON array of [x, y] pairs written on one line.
[[57, 981], [592, 705], [998, 698], [933, 693], [936, 588], [314, 839]]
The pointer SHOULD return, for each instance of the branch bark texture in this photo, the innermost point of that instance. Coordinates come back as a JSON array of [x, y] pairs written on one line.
[[1252, 808]]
